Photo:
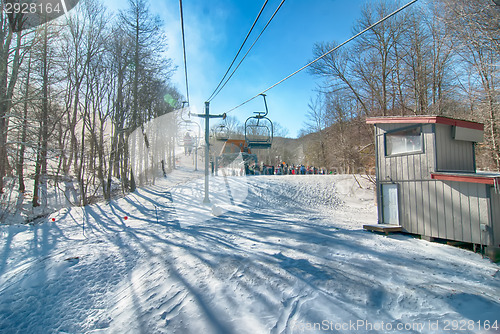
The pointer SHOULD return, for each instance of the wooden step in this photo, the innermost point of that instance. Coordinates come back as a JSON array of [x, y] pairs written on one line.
[[384, 228]]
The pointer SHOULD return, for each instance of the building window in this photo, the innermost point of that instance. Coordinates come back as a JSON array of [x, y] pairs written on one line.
[[406, 141]]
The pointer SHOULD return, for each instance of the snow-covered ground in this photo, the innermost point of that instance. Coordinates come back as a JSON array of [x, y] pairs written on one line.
[[271, 254]]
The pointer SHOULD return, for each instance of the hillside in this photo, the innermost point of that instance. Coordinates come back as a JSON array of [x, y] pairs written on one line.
[[272, 255]]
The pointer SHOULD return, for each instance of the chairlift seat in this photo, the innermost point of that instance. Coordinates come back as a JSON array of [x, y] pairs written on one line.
[[221, 133], [259, 144], [221, 137], [259, 130]]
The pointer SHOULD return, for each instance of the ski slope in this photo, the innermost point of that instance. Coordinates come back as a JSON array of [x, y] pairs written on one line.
[[271, 254]]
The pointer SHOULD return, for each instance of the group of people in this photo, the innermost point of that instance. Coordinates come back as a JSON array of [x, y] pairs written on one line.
[[285, 169]]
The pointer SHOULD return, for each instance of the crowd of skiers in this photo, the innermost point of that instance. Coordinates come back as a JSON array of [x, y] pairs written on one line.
[[285, 169]]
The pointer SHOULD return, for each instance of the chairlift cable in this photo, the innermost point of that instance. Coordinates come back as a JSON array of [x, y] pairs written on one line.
[[327, 53], [184, 49], [237, 54], [232, 73]]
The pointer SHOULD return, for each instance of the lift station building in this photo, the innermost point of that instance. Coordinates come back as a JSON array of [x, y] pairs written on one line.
[[427, 183]]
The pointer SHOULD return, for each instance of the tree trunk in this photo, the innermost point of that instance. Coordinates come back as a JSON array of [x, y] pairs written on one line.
[[22, 148], [41, 162], [7, 85]]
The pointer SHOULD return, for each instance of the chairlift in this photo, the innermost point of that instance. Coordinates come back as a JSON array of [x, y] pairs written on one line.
[[222, 132], [259, 129], [188, 137], [186, 134], [187, 127]]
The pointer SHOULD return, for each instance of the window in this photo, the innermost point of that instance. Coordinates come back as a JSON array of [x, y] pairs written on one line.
[[405, 141]]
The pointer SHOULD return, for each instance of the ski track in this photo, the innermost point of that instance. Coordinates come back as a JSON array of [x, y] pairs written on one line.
[[290, 253]]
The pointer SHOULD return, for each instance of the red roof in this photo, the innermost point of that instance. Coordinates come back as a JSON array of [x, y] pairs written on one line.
[[425, 120], [493, 179]]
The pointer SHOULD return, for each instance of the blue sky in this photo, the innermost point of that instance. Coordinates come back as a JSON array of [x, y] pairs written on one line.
[[214, 31]]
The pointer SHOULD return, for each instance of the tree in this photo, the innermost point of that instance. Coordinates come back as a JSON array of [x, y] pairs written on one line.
[[11, 57], [437, 57], [477, 33], [336, 69], [318, 121], [45, 67], [146, 62]]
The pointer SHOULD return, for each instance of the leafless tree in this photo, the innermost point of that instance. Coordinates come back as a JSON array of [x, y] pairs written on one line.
[[476, 31]]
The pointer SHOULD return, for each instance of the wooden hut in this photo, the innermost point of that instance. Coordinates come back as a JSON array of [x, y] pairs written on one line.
[[427, 181]]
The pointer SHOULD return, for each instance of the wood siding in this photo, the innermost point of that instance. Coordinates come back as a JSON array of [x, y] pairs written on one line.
[[453, 155], [408, 166], [495, 209], [446, 210]]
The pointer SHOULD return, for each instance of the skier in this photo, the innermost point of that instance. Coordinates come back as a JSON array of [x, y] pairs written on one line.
[[188, 144]]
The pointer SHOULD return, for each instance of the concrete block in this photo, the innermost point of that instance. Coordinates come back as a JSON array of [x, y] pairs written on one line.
[[493, 253]]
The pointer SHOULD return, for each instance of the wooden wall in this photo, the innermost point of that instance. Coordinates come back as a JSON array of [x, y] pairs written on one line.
[[495, 208], [453, 155], [446, 210], [405, 167]]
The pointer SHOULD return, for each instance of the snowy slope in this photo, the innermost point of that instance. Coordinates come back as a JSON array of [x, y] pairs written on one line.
[[282, 254]]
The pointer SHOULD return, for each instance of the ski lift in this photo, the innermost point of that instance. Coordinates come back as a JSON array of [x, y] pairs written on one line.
[[188, 137], [259, 129], [222, 132], [187, 128]]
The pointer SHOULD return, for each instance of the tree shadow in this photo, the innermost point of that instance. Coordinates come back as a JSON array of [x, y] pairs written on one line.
[[280, 264]]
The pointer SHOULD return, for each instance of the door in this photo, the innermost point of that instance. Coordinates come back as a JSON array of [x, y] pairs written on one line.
[[390, 208]]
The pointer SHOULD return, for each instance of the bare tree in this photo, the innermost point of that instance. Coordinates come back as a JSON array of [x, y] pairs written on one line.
[[476, 31], [11, 57], [318, 121]]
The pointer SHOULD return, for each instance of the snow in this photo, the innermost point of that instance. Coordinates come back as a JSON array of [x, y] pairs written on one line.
[[270, 254]]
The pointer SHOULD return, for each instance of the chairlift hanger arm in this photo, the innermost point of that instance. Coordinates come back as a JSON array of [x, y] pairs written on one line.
[[265, 103], [223, 116], [261, 114], [182, 112]]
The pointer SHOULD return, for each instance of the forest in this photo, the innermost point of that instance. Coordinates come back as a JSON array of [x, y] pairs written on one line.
[[72, 91], [437, 57]]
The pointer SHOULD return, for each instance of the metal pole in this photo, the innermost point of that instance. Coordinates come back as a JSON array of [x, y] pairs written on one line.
[[207, 116], [206, 200], [196, 156], [197, 144], [174, 139]]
